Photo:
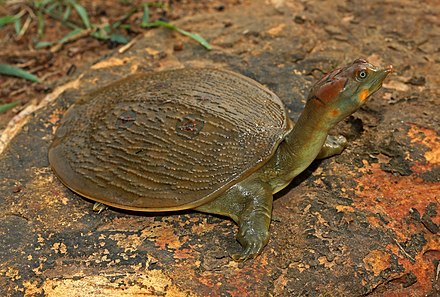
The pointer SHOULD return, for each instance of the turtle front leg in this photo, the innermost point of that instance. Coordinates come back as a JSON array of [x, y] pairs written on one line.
[[99, 207], [249, 204], [254, 222], [334, 145]]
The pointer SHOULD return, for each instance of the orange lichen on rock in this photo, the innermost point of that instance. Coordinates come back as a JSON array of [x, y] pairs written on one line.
[[163, 235], [428, 138], [344, 208], [242, 281], [55, 116], [377, 261], [277, 30]]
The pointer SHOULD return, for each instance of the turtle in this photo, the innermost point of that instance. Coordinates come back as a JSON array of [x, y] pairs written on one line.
[[206, 139]]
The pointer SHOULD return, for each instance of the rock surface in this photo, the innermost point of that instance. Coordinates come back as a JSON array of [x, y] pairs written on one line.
[[362, 223]]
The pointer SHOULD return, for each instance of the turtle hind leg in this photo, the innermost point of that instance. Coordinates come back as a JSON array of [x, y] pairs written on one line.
[[249, 204], [334, 145]]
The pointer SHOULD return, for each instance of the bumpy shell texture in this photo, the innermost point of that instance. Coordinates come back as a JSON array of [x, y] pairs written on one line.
[[169, 140]]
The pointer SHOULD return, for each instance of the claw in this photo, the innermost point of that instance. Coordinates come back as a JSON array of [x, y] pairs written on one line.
[[245, 255], [238, 257], [337, 140], [99, 207], [250, 251]]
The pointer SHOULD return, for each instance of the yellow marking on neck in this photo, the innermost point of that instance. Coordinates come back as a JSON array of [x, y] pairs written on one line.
[[335, 112], [363, 95]]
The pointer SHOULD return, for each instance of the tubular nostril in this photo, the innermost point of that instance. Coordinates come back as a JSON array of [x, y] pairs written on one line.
[[389, 69], [359, 61]]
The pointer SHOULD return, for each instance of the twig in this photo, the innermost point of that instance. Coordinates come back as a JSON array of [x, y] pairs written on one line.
[[19, 91], [403, 251], [24, 28], [124, 48], [45, 76], [22, 54], [127, 15], [437, 272], [30, 11], [26, 64]]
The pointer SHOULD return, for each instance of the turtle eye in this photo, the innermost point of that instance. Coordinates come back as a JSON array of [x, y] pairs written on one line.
[[362, 74]]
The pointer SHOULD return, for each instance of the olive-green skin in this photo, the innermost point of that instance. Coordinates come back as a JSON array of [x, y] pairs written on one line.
[[248, 200], [333, 98]]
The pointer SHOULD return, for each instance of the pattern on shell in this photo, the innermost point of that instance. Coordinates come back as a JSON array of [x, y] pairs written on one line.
[[169, 140]]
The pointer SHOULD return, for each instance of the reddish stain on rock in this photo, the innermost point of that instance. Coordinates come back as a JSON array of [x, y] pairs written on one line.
[[405, 201], [394, 197]]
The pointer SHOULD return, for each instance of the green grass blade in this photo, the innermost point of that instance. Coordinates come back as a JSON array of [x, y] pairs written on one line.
[[160, 24], [8, 106], [52, 7], [125, 26], [42, 44], [41, 3], [101, 32], [18, 72], [70, 34], [7, 20], [40, 24], [118, 38], [116, 24], [66, 14], [124, 18], [17, 26], [158, 5], [82, 13], [194, 36], [145, 16]]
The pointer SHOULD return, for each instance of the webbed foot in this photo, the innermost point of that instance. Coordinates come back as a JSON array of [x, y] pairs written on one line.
[[254, 222], [249, 204], [334, 145], [253, 242]]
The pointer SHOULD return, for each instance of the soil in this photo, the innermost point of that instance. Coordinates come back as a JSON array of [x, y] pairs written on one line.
[[364, 223], [51, 66]]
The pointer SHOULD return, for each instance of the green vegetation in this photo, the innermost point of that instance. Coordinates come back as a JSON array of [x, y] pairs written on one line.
[[18, 72], [67, 13], [194, 36], [8, 106], [61, 10]]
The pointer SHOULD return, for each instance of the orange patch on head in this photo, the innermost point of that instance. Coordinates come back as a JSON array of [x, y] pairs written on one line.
[[363, 95]]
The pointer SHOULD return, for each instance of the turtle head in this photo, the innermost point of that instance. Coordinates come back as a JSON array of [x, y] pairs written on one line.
[[344, 90]]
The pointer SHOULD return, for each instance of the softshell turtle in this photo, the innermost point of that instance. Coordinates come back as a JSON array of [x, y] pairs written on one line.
[[204, 139]]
